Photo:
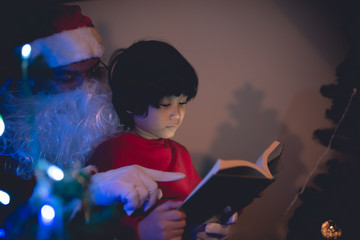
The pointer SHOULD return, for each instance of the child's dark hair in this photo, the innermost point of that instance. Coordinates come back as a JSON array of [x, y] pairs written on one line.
[[141, 75]]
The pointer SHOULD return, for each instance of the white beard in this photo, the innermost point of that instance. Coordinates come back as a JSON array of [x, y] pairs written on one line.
[[63, 128]]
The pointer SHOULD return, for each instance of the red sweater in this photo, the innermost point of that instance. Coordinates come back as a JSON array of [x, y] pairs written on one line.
[[163, 155]]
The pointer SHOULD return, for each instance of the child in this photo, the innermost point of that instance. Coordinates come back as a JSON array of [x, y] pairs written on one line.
[[151, 84]]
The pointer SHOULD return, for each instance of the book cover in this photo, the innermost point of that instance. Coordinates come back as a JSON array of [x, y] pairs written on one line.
[[233, 183]]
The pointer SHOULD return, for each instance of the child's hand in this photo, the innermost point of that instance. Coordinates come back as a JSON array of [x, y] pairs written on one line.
[[164, 222], [216, 228]]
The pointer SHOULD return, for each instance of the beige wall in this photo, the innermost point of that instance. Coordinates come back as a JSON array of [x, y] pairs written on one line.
[[261, 65]]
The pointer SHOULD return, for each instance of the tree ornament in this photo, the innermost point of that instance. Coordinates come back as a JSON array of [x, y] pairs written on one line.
[[329, 230]]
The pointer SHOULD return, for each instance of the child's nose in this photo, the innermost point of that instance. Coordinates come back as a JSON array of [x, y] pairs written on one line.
[[175, 113]]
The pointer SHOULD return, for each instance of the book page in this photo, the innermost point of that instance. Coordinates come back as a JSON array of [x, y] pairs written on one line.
[[241, 168], [274, 159], [271, 153]]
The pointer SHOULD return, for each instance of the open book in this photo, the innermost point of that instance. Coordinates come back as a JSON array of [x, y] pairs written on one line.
[[233, 183]]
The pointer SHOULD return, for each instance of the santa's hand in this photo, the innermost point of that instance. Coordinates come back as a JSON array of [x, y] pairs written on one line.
[[135, 186], [212, 229]]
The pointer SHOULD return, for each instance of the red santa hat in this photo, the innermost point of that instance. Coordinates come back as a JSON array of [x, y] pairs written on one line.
[[71, 38]]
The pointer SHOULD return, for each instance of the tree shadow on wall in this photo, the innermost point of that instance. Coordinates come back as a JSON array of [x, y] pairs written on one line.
[[251, 129]]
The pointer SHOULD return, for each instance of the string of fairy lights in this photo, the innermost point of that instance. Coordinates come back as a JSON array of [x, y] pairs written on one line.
[[47, 212]]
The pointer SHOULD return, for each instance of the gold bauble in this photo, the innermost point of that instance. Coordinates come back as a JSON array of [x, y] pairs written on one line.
[[330, 231]]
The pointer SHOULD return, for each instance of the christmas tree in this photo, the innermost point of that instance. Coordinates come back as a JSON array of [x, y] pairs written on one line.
[[330, 206]]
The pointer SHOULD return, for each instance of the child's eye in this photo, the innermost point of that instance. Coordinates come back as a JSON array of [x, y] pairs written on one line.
[[164, 105], [183, 103]]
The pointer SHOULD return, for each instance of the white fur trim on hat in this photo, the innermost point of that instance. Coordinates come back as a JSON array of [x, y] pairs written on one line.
[[68, 47]]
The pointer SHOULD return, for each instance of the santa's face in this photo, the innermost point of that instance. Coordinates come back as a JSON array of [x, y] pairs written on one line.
[[73, 75], [67, 125]]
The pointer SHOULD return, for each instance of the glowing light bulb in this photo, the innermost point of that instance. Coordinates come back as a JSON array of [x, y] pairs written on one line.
[[4, 198], [25, 51], [2, 233], [2, 126], [47, 213], [55, 173]]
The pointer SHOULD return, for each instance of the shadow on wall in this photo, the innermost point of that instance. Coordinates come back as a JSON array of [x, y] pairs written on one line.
[[253, 128], [250, 131]]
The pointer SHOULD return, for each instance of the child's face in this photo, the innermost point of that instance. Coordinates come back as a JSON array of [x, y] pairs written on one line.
[[162, 122]]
